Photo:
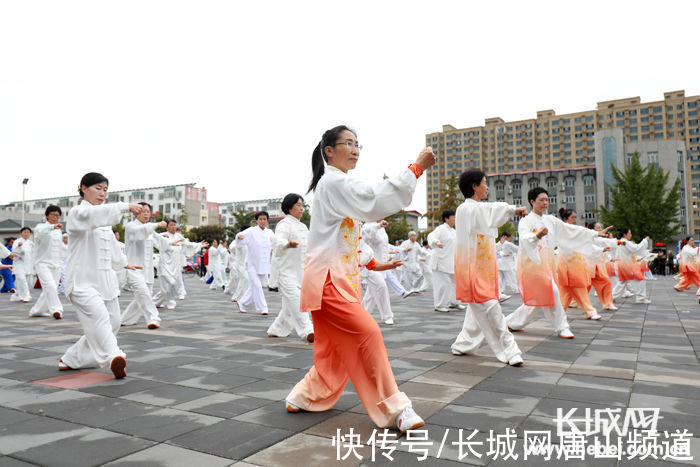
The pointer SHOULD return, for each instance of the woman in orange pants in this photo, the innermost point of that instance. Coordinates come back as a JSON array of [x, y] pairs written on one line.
[[572, 272], [348, 343], [599, 268], [688, 266]]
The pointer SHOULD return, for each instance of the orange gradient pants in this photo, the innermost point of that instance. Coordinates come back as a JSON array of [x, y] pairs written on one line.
[[603, 288], [348, 345]]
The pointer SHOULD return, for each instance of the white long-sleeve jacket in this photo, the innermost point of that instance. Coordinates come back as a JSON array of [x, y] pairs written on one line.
[[259, 243], [290, 261], [443, 259], [49, 244], [25, 263], [93, 252]]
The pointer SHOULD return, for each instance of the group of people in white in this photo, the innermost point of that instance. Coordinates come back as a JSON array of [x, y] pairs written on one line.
[[323, 270]]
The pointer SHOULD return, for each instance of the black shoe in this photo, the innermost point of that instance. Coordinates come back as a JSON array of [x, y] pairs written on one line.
[[273, 289]]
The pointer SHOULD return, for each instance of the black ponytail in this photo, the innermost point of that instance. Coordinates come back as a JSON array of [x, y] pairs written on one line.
[[685, 241], [565, 213], [318, 157]]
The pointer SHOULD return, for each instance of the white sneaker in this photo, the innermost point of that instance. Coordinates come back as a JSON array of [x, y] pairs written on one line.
[[408, 420], [627, 295], [41, 314], [171, 305], [291, 408], [442, 309], [264, 312], [645, 301], [516, 360], [389, 321], [611, 308], [408, 294], [504, 297], [594, 317], [459, 306], [566, 334]]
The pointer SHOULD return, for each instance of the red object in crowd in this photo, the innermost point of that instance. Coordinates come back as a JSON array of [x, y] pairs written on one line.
[[206, 257], [37, 285]]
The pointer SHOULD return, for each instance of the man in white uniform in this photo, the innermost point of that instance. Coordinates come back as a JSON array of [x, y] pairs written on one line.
[[169, 268], [239, 256], [411, 268], [424, 255], [48, 256], [290, 246], [23, 266], [442, 242], [121, 272], [140, 239], [374, 233], [259, 241], [507, 277]]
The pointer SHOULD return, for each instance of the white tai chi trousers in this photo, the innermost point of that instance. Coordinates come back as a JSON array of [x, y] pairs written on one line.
[[48, 300], [242, 287], [168, 291], [377, 294], [142, 305], [554, 314], [444, 293], [485, 320], [290, 318], [427, 277], [508, 281], [254, 294], [181, 292], [22, 292], [413, 278], [638, 288], [394, 283], [100, 320]]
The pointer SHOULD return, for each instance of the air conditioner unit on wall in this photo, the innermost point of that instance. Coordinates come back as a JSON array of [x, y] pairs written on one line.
[[510, 190], [563, 186]]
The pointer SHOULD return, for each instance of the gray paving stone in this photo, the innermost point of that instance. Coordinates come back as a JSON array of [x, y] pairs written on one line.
[[170, 456], [459, 416], [167, 395], [231, 439], [276, 416], [499, 401], [162, 424], [91, 448]]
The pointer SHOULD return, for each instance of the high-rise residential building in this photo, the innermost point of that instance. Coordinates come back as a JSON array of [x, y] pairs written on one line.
[[555, 144]]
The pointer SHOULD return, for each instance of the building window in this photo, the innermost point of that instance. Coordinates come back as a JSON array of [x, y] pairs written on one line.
[[589, 197], [588, 180], [517, 201], [570, 199], [553, 199], [653, 158], [533, 183], [570, 181], [516, 184]]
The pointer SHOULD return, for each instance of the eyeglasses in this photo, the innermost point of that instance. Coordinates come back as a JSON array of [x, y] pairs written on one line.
[[350, 145]]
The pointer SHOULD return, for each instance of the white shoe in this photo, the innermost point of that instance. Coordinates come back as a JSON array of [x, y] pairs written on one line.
[[181, 297], [457, 352], [573, 305], [566, 334], [645, 301], [389, 321], [291, 408], [594, 317], [611, 308], [459, 306], [263, 312], [504, 297], [516, 360], [627, 295], [442, 309], [408, 294], [408, 420]]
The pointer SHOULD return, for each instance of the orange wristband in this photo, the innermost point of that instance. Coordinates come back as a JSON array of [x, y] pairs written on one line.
[[371, 264], [416, 169]]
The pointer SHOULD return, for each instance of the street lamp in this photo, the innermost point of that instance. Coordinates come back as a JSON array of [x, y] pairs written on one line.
[[24, 185]]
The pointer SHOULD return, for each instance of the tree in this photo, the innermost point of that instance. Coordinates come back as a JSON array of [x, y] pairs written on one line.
[[450, 198], [243, 218], [641, 201], [507, 227], [207, 233], [306, 216], [398, 227]]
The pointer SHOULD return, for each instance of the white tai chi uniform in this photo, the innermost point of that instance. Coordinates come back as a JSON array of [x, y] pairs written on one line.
[[424, 255], [537, 271], [91, 282], [443, 265], [377, 292], [168, 273], [476, 276], [238, 257], [48, 256], [290, 269], [259, 243], [140, 239], [629, 271], [507, 277], [215, 266], [23, 270], [273, 280], [413, 277], [223, 262], [376, 237], [187, 250], [121, 272]]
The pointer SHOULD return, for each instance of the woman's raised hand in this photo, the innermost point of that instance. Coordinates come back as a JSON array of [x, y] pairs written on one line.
[[426, 158]]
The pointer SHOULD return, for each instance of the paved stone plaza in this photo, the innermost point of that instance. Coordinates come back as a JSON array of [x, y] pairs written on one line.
[[207, 388]]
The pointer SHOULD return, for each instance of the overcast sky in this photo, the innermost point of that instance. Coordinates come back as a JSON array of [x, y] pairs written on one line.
[[235, 95]]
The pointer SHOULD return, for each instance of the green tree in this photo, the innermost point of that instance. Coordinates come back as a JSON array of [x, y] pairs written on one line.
[[507, 227], [121, 229], [243, 218], [450, 198], [207, 233], [306, 216], [641, 201], [398, 227]]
